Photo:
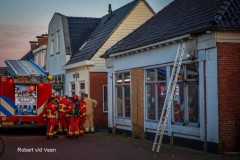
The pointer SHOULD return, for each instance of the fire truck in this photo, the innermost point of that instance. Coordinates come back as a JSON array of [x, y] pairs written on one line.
[[24, 90]]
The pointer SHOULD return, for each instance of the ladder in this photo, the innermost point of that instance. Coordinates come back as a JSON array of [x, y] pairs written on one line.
[[169, 97]]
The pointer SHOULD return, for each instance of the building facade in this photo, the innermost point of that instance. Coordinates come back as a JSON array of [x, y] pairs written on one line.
[[66, 35], [205, 111], [90, 67], [40, 51]]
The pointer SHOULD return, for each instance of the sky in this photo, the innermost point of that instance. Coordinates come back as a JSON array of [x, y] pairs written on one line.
[[22, 20]]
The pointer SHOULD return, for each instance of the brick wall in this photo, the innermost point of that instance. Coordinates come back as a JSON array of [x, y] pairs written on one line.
[[42, 40], [229, 96], [97, 81]]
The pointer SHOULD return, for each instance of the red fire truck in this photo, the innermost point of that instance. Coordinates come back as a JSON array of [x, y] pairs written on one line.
[[24, 90]]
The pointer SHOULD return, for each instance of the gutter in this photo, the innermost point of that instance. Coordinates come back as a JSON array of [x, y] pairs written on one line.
[[151, 46], [79, 64]]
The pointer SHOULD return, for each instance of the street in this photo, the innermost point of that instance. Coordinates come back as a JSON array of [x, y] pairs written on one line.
[[96, 146]]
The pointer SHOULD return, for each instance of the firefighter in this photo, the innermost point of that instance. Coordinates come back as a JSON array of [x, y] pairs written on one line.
[[74, 113], [90, 106], [62, 124], [51, 110]]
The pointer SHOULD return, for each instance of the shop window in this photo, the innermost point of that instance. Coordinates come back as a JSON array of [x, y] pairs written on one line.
[[185, 104], [123, 98], [155, 92]]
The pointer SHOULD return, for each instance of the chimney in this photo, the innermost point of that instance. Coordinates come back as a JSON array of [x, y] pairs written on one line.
[[109, 11], [33, 44], [42, 40]]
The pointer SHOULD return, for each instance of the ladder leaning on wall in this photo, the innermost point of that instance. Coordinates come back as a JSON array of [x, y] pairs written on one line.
[[169, 97]]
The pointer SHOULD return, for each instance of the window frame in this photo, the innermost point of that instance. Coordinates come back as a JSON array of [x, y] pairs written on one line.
[[122, 85], [155, 82], [105, 95]]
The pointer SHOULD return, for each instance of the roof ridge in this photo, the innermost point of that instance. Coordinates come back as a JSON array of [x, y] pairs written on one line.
[[83, 17], [121, 7]]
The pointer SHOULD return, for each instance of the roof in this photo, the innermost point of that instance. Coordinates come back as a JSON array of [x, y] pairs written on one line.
[[179, 18], [3, 70], [28, 56], [79, 29], [24, 68], [103, 30]]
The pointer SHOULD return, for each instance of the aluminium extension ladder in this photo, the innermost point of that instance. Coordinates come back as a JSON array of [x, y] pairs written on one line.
[[169, 97]]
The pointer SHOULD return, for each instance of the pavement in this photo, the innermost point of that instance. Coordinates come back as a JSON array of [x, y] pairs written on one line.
[[98, 146]]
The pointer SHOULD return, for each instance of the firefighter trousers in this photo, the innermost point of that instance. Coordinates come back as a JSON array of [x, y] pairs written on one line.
[[73, 126], [51, 129], [62, 123]]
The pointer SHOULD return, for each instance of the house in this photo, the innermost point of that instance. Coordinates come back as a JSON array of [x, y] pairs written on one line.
[[29, 55], [86, 71], [3, 71], [66, 35], [206, 111], [39, 52]]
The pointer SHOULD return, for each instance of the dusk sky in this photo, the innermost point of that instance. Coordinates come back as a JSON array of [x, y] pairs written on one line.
[[22, 20]]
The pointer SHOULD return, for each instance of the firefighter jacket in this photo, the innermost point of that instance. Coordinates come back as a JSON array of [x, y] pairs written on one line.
[[62, 107], [51, 110], [91, 104], [76, 109]]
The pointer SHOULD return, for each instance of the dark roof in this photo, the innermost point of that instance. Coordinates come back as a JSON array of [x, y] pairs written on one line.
[[179, 18], [3, 70], [28, 56], [104, 28], [79, 29]]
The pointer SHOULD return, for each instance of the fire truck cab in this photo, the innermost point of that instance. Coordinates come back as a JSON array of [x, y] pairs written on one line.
[[24, 90]]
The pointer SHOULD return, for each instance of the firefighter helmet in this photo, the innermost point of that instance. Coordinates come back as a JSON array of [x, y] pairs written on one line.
[[75, 97]]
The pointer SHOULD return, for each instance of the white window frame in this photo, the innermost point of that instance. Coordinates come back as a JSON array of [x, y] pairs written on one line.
[[52, 44], [123, 93], [58, 41], [80, 89], [70, 88], [105, 111]]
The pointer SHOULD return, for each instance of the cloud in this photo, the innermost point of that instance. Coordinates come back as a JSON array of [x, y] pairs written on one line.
[[14, 40]]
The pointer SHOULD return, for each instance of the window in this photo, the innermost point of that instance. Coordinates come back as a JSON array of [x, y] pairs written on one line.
[[155, 92], [52, 43], [72, 88], [185, 105], [43, 59], [36, 58], [81, 88], [105, 99], [58, 41], [123, 102]]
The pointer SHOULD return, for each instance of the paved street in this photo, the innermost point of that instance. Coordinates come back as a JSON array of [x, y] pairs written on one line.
[[96, 146]]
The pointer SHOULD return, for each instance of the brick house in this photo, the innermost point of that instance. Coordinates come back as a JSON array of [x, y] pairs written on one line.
[[206, 113], [86, 64]]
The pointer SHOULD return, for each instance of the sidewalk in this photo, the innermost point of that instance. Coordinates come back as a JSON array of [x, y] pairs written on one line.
[[99, 146]]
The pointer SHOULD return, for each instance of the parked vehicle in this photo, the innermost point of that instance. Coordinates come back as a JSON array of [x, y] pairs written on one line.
[[23, 93]]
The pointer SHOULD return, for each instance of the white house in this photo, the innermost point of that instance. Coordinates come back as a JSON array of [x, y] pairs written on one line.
[[40, 51], [86, 63], [66, 35], [206, 111]]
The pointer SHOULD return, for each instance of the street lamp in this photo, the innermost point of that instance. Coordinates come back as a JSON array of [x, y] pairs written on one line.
[[76, 75]]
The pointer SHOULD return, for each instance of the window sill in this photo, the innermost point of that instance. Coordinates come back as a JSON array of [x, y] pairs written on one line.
[[58, 53], [51, 55]]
